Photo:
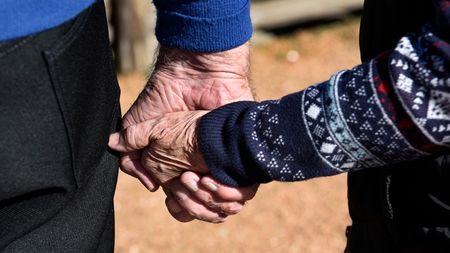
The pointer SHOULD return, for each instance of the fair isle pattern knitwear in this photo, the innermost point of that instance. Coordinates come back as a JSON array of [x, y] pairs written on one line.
[[393, 108]]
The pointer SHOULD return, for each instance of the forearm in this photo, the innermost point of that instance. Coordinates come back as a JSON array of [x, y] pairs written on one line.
[[388, 110]]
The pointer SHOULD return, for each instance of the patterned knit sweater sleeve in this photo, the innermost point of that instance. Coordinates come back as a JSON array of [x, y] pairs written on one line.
[[393, 108]]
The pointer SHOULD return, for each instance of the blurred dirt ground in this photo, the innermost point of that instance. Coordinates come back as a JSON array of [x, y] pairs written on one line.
[[307, 217]]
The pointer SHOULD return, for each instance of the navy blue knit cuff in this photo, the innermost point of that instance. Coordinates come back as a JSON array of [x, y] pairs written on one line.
[[203, 33], [220, 136]]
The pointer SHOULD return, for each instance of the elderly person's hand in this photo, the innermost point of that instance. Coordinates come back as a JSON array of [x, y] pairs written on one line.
[[204, 198], [169, 148], [184, 81], [168, 144]]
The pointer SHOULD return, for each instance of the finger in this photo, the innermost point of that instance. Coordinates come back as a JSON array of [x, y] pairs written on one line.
[[132, 138], [130, 164], [127, 162], [177, 211], [227, 193], [195, 208], [190, 180]]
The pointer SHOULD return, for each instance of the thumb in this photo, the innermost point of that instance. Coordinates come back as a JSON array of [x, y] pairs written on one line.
[[132, 138]]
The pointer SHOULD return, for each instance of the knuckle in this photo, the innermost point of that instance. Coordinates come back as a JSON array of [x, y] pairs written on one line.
[[196, 213], [127, 170], [221, 218], [129, 135], [211, 204], [124, 164], [207, 199]]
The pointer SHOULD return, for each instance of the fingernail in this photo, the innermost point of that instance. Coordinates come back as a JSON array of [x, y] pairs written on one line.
[[235, 209], [152, 188], [149, 184], [192, 185], [113, 139], [181, 195], [211, 186]]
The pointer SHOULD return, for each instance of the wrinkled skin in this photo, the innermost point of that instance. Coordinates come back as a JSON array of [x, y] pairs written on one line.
[[185, 81], [168, 145]]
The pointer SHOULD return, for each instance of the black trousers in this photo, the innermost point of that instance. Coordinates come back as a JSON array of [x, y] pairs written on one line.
[[58, 105]]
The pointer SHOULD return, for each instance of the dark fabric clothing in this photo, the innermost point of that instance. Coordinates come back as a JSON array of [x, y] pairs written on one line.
[[58, 105], [391, 109], [392, 210], [387, 110], [19, 18]]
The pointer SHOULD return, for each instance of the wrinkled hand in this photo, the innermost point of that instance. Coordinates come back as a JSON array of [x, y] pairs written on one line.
[[184, 81], [169, 147], [204, 199], [168, 144]]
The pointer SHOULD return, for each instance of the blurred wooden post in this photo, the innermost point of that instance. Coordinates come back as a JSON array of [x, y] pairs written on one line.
[[134, 42]]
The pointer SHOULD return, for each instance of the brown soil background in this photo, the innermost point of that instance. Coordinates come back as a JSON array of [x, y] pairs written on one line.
[[307, 217]]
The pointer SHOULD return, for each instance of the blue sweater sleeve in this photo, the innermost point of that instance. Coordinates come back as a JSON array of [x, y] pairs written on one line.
[[391, 109], [25, 17], [203, 25]]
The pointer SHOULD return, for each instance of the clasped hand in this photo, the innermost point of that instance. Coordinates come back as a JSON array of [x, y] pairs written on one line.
[[168, 145], [159, 140]]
